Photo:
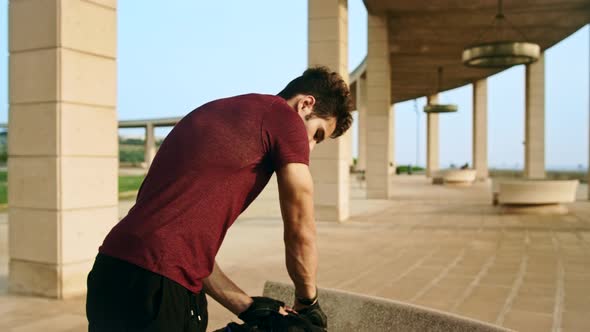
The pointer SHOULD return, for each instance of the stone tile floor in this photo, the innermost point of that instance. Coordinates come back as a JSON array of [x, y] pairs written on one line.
[[440, 247]]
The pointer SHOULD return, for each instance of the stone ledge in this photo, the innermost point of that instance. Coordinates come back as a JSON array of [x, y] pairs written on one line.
[[354, 312]]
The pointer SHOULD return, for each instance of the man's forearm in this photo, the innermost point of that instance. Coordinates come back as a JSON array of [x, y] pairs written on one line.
[[226, 292], [296, 198], [302, 261]]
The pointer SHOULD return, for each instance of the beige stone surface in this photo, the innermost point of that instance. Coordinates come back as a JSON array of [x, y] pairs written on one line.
[[426, 35], [432, 139], [34, 234], [351, 312], [362, 123], [73, 277], [82, 232], [33, 278], [480, 129], [33, 76], [534, 154], [82, 25], [535, 192], [266, 204], [88, 182], [435, 246], [33, 129], [79, 139], [88, 28], [26, 36], [88, 79], [150, 145], [459, 176], [63, 171], [107, 3], [48, 280], [33, 182], [379, 110], [328, 46]]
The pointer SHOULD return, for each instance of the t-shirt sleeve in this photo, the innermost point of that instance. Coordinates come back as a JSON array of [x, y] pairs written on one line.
[[284, 136]]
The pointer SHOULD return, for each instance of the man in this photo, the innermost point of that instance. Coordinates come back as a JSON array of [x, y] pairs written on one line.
[[156, 265]]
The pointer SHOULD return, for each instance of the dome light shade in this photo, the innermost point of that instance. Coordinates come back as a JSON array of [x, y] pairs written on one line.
[[440, 108], [500, 51], [501, 54]]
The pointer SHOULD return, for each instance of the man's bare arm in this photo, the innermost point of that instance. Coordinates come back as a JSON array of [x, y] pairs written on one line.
[[296, 197], [224, 291]]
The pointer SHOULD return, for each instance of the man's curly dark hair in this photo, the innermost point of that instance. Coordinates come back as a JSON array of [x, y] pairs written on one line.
[[331, 93]]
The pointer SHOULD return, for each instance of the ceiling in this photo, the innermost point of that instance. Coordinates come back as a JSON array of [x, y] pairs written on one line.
[[425, 35]]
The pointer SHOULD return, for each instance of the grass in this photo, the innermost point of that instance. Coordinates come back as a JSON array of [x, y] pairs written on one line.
[[3, 189], [129, 182]]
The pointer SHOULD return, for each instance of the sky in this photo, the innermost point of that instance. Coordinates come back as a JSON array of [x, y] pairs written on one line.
[[176, 55]]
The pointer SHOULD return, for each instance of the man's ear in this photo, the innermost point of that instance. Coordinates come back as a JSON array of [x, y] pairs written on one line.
[[309, 101], [305, 105]]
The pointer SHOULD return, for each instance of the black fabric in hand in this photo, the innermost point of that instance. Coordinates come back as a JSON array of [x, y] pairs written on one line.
[[315, 315], [261, 308], [275, 322]]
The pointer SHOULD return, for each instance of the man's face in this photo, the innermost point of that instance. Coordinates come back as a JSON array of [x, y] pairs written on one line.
[[318, 129]]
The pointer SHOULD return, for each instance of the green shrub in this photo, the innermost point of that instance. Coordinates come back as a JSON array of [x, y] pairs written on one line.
[[130, 182], [131, 156]]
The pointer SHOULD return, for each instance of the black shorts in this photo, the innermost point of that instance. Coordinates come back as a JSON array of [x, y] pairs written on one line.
[[124, 297]]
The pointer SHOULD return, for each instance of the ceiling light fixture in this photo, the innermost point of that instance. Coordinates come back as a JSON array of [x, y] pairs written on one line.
[[501, 52], [440, 108]]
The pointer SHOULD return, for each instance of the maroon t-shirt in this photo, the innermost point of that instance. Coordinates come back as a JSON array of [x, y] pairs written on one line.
[[210, 167]]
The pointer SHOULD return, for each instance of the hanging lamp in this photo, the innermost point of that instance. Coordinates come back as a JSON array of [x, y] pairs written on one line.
[[502, 52], [440, 108]]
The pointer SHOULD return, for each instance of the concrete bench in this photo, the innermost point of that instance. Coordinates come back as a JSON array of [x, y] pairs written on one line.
[[461, 177], [349, 312], [534, 196]]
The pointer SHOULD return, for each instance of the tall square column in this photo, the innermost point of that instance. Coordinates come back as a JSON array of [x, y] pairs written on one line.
[[379, 110], [534, 150], [480, 129], [361, 90], [432, 139], [150, 145], [62, 165], [330, 160]]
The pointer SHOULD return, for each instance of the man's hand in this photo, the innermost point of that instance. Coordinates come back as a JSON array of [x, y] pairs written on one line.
[[224, 291], [296, 198], [315, 315], [261, 308]]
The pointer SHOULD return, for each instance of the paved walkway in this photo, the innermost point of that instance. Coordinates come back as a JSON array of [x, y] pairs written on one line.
[[440, 247]]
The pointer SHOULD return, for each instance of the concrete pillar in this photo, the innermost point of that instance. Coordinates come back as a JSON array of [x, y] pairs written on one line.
[[62, 188], [150, 144], [432, 139], [379, 110], [534, 161], [328, 46], [361, 90], [480, 129]]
